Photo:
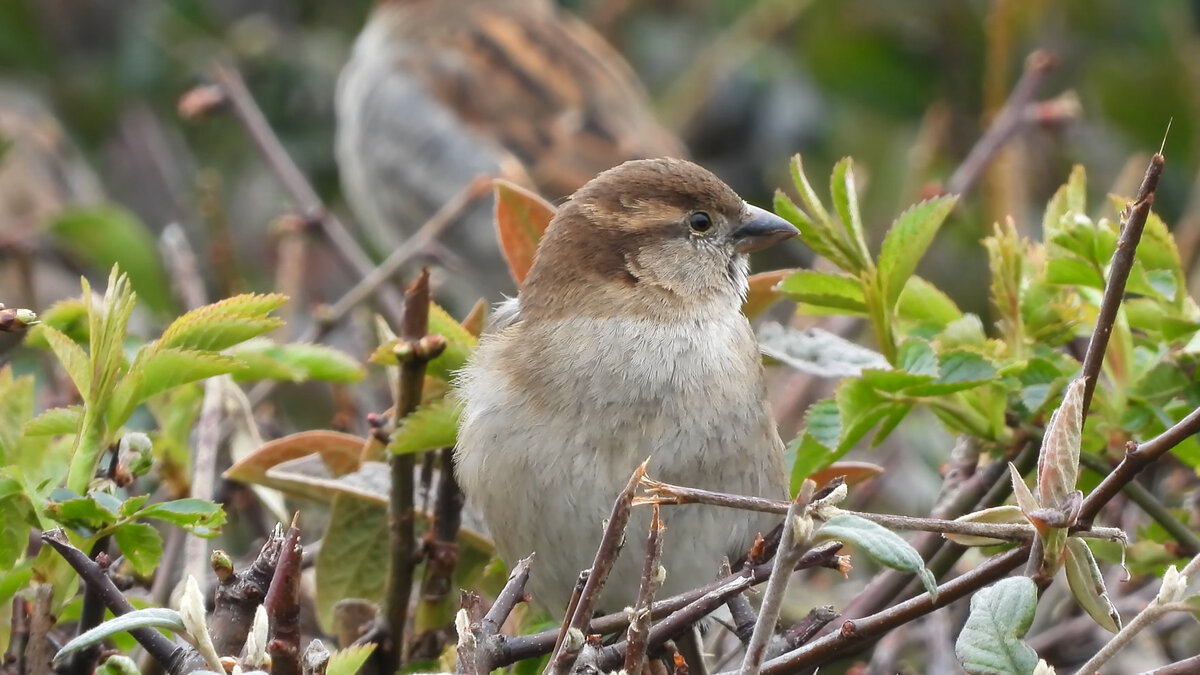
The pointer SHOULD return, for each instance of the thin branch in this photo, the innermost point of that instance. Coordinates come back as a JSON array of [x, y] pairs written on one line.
[[789, 552], [667, 494], [174, 659], [639, 628], [301, 191], [512, 593], [606, 556], [1133, 222], [1007, 122], [804, 629], [415, 351], [1189, 666], [739, 610], [857, 632], [435, 613]]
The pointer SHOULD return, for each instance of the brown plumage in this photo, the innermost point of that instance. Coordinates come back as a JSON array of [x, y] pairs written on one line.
[[439, 91]]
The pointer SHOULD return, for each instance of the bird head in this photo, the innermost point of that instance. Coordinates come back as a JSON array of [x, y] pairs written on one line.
[[649, 236]]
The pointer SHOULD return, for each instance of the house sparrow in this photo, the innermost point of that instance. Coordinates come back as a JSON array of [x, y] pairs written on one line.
[[626, 341], [438, 92]]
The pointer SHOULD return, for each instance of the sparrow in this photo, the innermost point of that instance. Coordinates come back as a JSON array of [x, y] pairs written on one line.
[[438, 92], [627, 341]]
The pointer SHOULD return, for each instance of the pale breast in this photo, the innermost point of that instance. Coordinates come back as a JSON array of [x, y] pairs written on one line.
[[560, 414]]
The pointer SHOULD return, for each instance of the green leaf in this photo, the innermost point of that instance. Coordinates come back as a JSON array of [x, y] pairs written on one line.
[[845, 202], [1087, 585], [72, 357], [959, 370], [906, 243], [429, 427], [917, 357], [55, 422], [350, 660], [141, 546], [108, 235], [809, 456], [223, 324], [1071, 197], [165, 369], [824, 423], [201, 518], [459, 344], [990, 642], [1073, 272], [881, 544], [152, 617], [296, 362], [860, 407], [922, 302], [353, 560], [16, 406], [816, 234], [825, 290], [79, 513]]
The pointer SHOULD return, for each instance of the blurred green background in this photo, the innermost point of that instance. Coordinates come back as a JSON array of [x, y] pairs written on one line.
[[906, 88]]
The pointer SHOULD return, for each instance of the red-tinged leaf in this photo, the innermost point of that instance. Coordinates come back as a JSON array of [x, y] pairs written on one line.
[[476, 318], [521, 218], [762, 293], [1058, 462], [853, 472], [340, 452]]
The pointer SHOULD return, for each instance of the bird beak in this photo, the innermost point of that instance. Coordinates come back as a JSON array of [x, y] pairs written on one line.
[[759, 229]]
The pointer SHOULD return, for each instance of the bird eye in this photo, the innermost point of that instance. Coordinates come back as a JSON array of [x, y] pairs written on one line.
[[699, 222]]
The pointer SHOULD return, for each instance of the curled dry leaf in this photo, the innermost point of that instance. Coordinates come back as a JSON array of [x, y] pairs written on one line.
[[854, 473], [521, 218]]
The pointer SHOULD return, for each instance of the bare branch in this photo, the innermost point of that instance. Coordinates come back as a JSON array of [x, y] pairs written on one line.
[[639, 627]]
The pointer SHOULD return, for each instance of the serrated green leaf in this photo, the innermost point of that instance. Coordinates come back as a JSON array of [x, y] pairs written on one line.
[[165, 369], [1073, 272], [838, 291], [55, 422], [109, 234], [894, 381], [141, 545], [890, 422], [72, 357], [922, 302], [350, 660], [845, 203], [958, 370], [1087, 585], [310, 362], [152, 617], [917, 357], [906, 242], [78, 513], [223, 324], [429, 427], [990, 642], [882, 545], [1058, 460], [197, 516]]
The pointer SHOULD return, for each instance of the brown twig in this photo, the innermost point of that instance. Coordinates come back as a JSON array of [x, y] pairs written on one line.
[[639, 628], [283, 606], [38, 651], [470, 656], [414, 351], [739, 610], [238, 595], [174, 659], [1133, 222], [804, 629], [1007, 122], [606, 556], [854, 633], [18, 636], [301, 191], [1188, 666]]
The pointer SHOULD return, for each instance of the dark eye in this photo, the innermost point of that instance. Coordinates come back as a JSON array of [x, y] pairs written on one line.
[[699, 222]]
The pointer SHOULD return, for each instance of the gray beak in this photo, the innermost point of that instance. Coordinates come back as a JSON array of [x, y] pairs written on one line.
[[759, 229]]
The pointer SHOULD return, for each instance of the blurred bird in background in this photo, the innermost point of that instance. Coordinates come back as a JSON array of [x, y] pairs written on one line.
[[438, 92]]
